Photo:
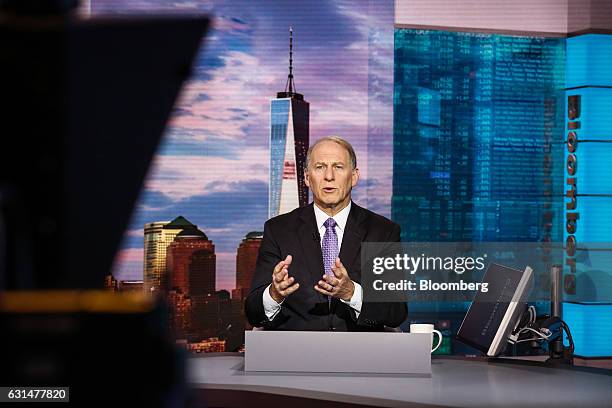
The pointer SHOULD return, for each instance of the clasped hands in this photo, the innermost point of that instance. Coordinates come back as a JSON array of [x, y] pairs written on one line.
[[340, 285]]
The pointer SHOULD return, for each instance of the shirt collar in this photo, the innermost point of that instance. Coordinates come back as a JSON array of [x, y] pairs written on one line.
[[340, 218]]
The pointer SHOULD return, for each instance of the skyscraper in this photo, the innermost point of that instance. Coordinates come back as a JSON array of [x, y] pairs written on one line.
[[157, 236], [110, 283], [246, 258], [190, 263], [289, 134], [190, 268]]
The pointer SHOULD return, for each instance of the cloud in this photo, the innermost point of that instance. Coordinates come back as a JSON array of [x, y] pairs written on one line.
[[177, 145], [229, 24], [219, 231], [226, 270], [236, 97], [130, 255], [177, 111], [180, 177], [149, 6], [239, 84], [135, 233], [225, 214], [152, 200], [128, 264]]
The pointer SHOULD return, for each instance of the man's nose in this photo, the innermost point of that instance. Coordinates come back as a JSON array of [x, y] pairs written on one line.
[[329, 173]]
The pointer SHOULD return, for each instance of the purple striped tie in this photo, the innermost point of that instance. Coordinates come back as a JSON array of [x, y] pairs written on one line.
[[330, 247]]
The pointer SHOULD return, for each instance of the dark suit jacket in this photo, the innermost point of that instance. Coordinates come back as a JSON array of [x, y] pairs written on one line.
[[296, 234]]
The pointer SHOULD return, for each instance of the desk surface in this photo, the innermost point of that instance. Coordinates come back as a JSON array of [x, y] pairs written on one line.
[[454, 383]]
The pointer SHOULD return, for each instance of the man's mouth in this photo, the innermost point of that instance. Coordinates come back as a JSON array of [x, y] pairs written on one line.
[[329, 189]]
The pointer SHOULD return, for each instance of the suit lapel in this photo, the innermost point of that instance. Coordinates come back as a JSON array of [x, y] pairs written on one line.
[[310, 239], [354, 234]]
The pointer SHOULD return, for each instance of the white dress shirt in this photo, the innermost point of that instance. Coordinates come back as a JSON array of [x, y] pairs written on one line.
[[271, 308]]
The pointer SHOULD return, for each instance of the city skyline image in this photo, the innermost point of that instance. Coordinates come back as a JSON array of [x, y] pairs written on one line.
[[213, 165]]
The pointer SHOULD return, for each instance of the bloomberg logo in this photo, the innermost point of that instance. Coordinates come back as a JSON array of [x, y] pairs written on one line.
[[571, 215]]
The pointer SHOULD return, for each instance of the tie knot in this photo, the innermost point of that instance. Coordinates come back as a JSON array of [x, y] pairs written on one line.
[[329, 223]]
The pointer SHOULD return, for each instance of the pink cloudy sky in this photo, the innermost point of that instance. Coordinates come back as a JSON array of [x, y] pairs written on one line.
[[212, 165]]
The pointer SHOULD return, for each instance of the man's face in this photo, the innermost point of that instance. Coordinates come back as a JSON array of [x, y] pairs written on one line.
[[330, 176]]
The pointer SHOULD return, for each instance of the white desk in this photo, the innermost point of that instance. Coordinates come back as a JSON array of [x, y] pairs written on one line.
[[220, 380]]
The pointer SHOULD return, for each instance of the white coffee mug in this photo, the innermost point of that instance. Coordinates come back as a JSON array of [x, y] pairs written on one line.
[[426, 328]]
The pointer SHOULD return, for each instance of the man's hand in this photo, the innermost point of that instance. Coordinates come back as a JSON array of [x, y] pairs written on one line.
[[282, 285], [340, 285]]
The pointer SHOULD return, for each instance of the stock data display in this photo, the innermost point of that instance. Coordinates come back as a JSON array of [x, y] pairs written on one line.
[[478, 136], [478, 144]]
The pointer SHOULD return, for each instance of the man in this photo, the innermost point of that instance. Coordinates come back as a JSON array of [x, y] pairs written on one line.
[[308, 270]]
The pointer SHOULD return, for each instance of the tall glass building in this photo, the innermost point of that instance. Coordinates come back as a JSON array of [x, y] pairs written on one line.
[[157, 237], [246, 259], [289, 138]]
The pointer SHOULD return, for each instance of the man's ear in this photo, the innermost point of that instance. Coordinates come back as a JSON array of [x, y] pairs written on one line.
[[355, 177], [306, 180]]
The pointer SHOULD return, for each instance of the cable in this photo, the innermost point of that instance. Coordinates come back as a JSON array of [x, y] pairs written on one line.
[[532, 313], [531, 339], [540, 334], [569, 336], [514, 338]]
